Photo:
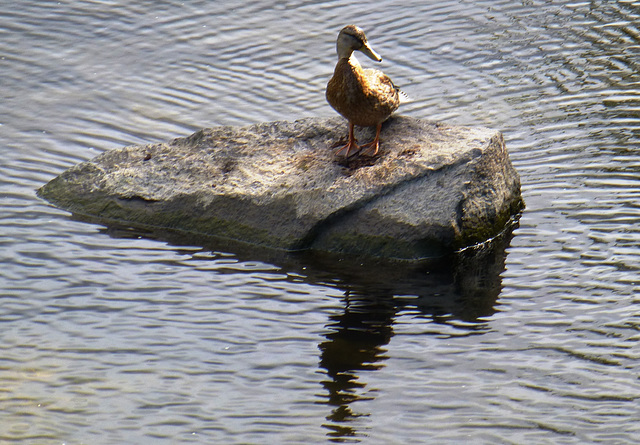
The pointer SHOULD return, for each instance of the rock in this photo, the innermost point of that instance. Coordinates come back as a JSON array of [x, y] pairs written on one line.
[[432, 189]]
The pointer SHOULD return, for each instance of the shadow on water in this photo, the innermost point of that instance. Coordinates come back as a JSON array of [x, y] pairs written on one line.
[[461, 290]]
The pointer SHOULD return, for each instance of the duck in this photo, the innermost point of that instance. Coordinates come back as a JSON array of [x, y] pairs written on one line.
[[365, 97]]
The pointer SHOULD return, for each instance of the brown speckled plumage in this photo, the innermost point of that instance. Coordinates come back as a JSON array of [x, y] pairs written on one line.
[[364, 97]]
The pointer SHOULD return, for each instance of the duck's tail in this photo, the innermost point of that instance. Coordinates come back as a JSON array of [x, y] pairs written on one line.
[[402, 96]]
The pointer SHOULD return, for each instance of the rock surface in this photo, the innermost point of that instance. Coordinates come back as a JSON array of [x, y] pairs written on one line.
[[432, 189]]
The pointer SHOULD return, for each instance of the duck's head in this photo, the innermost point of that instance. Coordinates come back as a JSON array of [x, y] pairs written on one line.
[[352, 38]]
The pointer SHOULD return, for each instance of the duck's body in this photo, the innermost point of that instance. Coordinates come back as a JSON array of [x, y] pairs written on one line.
[[366, 98]]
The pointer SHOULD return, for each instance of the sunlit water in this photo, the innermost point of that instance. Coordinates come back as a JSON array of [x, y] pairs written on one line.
[[112, 337]]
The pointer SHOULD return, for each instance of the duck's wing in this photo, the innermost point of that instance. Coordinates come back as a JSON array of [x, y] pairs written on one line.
[[382, 87], [380, 82], [402, 96]]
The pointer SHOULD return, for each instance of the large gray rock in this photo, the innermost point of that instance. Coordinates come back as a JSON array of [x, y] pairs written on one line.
[[433, 188]]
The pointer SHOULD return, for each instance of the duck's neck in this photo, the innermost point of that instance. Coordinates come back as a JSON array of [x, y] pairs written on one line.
[[348, 55], [350, 61], [350, 73]]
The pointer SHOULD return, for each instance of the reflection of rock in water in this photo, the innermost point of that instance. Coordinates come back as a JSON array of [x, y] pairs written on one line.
[[477, 277], [463, 287]]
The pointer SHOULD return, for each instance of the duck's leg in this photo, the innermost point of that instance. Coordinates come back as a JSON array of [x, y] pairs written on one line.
[[373, 145], [351, 145]]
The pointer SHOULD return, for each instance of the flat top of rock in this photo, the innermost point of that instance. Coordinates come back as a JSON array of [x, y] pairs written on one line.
[[280, 157]]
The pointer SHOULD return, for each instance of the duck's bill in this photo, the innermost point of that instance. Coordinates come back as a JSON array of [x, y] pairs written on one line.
[[370, 53]]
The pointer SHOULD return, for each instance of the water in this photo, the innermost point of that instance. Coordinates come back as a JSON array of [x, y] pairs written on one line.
[[114, 336]]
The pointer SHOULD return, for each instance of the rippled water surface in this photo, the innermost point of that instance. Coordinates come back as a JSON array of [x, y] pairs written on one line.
[[113, 336]]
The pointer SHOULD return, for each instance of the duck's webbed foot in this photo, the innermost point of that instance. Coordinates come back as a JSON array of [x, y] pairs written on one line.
[[352, 144], [351, 147], [371, 148]]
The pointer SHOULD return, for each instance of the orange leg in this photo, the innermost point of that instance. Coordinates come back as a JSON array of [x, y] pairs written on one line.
[[373, 145], [351, 145]]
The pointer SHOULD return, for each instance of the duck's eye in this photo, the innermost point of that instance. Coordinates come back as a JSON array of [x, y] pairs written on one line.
[[357, 39]]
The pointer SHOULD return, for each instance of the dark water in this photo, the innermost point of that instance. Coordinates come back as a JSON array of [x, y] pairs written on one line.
[[112, 337]]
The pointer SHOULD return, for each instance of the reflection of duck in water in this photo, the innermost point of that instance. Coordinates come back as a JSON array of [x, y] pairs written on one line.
[[364, 97]]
